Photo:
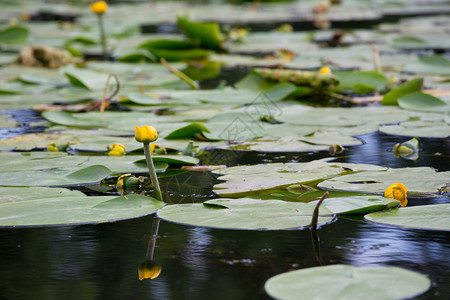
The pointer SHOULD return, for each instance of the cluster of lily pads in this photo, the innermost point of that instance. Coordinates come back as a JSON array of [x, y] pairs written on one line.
[[286, 103]]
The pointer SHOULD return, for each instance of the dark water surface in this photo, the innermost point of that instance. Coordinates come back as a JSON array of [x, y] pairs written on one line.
[[101, 261]]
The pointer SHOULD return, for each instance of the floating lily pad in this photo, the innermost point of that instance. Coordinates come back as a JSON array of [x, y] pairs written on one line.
[[432, 129], [436, 64], [14, 35], [414, 85], [433, 217], [243, 180], [75, 209], [358, 204], [423, 102], [244, 213], [417, 180], [347, 282], [16, 194], [89, 174], [361, 82]]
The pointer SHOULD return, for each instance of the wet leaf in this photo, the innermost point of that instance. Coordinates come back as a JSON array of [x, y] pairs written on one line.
[[14, 35], [89, 174], [242, 180], [417, 180], [433, 217], [361, 82], [432, 129], [414, 85], [75, 210], [436, 64], [244, 213], [358, 204], [206, 33], [347, 282], [423, 102]]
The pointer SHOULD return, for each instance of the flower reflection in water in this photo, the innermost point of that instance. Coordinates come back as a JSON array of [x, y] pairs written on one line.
[[150, 269]]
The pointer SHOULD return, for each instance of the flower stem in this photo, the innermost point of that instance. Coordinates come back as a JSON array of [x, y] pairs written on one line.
[[152, 171], [102, 36]]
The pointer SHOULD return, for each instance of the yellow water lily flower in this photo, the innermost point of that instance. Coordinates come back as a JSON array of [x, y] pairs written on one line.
[[52, 147], [397, 191], [149, 270], [99, 7], [325, 70], [145, 134], [116, 149]]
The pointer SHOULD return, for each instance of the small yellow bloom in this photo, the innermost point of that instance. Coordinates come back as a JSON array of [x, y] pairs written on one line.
[[52, 147], [99, 7], [145, 134], [116, 149], [325, 71], [397, 191], [148, 270]]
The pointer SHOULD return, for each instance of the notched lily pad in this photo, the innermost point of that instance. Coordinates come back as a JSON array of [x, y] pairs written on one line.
[[244, 213]]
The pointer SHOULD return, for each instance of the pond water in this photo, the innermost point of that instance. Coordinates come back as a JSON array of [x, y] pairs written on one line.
[[101, 261]]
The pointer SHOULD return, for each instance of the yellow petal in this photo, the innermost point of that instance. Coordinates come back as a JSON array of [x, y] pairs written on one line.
[[99, 7], [325, 70], [145, 134], [397, 191]]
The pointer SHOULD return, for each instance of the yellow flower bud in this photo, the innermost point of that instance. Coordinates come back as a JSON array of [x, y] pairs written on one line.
[[325, 71], [397, 191], [116, 149], [99, 7], [145, 134], [52, 147], [149, 269]]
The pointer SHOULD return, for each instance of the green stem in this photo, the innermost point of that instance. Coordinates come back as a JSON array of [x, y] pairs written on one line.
[[102, 36], [315, 216], [194, 85], [152, 171]]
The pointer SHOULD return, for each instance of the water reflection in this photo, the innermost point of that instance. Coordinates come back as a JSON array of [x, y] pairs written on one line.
[[150, 269]]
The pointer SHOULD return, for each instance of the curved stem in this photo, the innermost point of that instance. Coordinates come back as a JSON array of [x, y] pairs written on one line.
[[152, 171]]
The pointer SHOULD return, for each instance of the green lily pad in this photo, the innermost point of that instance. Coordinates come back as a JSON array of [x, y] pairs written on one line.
[[436, 64], [180, 160], [188, 131], [16, 194], [7, 121], [433, 217], [89, 174], [340, 117], [414, 85], [143, 99], [206, 33], [423, 102], [358, 204], [361, 82], [75, 210], [347, 282], [432, 129], [242, 180], [244, 213], [418, 180], [14, 35]]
